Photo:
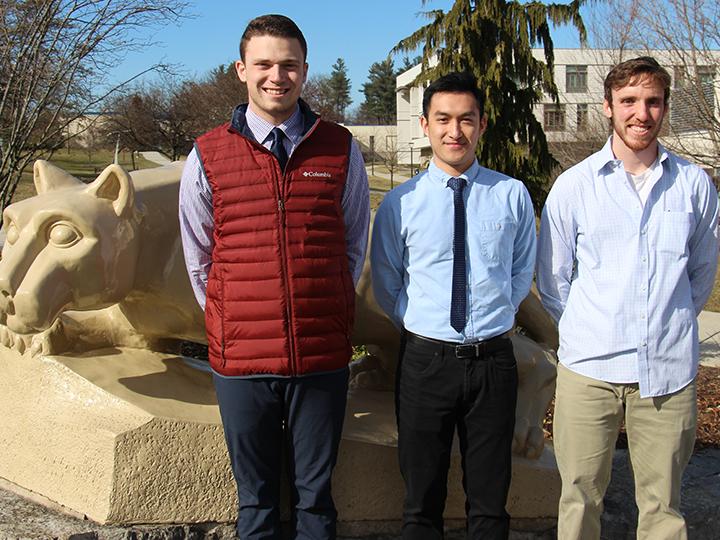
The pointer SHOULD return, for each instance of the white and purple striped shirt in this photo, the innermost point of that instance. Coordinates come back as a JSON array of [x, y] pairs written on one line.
[[196, 211]]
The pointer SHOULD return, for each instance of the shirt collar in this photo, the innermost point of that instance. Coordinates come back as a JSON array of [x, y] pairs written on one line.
[[605, 156], [261, 128], [437, 175]]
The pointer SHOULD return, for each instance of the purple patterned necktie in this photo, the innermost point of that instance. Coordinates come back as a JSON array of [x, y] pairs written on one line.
[[278, 148], [458, 303]]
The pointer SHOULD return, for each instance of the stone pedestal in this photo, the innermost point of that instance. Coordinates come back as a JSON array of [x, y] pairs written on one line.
[[130, 436]]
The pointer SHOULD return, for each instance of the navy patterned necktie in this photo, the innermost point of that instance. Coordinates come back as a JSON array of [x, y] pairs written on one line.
[[278, 148], [458, 303]]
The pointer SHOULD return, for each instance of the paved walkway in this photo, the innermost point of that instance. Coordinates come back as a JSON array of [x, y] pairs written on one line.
[[397, 177], [156, 157], [709, 334]]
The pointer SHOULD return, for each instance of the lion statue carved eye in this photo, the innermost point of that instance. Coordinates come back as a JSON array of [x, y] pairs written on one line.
[[11, 233], [63, 235]]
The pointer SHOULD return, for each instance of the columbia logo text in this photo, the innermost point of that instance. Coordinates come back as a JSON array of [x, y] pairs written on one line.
[[317, 174]]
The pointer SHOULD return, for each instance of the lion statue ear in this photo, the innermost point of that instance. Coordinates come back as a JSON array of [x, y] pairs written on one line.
[[48, 177], [115, 185]]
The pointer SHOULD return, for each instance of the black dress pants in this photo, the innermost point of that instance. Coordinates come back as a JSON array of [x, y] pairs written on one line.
[[436, 393], [305, 414]]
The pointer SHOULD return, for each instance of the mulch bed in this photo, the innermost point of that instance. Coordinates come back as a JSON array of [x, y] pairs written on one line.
[[708, 428]]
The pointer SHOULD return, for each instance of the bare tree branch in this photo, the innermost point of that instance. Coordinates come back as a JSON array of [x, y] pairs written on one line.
[[54, 60]]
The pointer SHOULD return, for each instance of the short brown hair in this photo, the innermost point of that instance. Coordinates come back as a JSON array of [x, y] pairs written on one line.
[[630, 71], [275, 26]]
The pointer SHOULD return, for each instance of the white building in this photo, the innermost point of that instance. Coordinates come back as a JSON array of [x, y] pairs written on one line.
[[377, 139], [577, 117]]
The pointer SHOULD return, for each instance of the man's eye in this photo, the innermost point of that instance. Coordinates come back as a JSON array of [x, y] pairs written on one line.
[[63, 235]]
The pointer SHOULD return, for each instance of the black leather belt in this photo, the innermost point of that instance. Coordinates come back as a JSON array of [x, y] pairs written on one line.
[[463, 350]]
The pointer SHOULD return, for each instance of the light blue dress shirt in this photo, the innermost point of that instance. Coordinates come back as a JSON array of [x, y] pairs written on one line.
[[412, 253], [196, 211], [626, 281]]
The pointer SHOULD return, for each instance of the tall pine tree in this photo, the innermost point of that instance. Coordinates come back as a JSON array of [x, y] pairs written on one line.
[[380, 103], [493, 40], [340, 88]]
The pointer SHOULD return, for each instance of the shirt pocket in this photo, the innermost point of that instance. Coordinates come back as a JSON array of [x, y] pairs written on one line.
[[674, 232], [494, 238]]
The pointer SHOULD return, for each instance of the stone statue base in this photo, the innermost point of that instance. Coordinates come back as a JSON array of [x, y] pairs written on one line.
[[132, 436]]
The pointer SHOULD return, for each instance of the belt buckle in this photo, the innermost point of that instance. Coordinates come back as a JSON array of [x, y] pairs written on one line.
[[470, 350]]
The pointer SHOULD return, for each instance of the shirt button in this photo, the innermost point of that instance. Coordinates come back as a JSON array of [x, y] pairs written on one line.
[[642, 316], [643, 231], [644, 343], [644, 259]]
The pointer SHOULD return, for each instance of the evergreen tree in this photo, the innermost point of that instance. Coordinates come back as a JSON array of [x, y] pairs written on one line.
[[493, 40], [380, 103], [340, 88]]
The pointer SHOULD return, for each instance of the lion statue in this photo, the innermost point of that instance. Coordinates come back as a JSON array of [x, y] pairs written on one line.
[[87, 266]]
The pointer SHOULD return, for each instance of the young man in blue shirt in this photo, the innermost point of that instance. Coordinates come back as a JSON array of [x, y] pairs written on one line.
[[452, 256]]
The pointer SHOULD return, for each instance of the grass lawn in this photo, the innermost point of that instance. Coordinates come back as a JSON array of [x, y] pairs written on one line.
[[77, 163], [713, 303]]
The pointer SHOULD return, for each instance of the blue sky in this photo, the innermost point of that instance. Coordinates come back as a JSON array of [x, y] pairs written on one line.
[[359, 32]]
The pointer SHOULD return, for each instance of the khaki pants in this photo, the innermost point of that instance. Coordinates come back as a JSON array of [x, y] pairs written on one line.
[[661, 434]]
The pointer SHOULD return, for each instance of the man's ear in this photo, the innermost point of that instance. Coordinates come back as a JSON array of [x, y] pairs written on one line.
[[305, 72], [607, 108], [424, 125], [483, 123], [240, 70]]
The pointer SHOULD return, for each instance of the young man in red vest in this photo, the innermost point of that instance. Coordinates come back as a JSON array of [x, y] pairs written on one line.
[[274, 214]]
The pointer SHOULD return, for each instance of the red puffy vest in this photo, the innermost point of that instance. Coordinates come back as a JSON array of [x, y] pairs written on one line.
[[280, 297]]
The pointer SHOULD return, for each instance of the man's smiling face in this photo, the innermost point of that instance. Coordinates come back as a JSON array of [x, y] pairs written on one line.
[[637, 112], [274, 70], [453, 126]]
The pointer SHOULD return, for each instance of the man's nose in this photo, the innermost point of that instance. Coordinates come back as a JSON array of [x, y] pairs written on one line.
[[455, 130], [642, 111], [276, 72]]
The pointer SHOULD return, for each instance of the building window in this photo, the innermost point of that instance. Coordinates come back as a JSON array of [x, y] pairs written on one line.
[[554, 117], [575, 79], [582, 117], [679, 77], [706, 74]]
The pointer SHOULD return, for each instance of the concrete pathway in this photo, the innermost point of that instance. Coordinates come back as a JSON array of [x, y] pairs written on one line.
[[156, 157], [397, 177], [709, 334]]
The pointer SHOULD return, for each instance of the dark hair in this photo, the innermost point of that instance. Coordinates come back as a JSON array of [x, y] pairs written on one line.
[[272, 25], [455, 83], [630, 71]]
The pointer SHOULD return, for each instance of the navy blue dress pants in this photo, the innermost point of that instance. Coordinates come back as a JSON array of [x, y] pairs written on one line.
[[437, 393], [304, 414]]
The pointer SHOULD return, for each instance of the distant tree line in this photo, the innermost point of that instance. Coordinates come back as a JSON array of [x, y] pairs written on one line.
[[169, 114]]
